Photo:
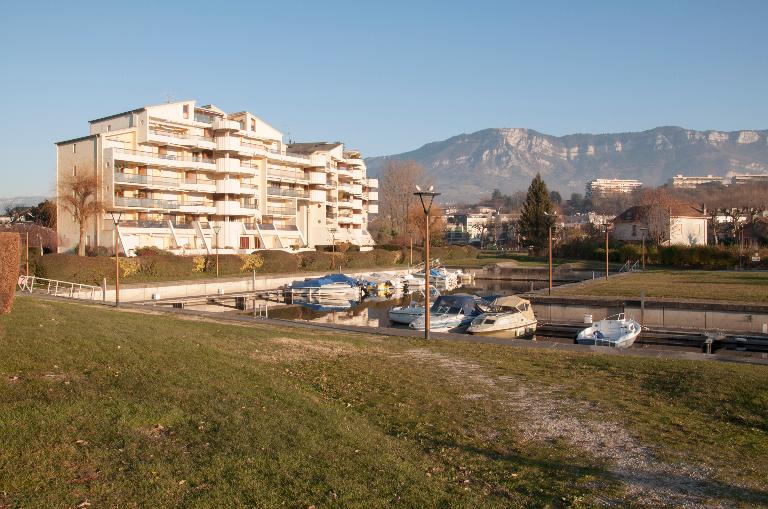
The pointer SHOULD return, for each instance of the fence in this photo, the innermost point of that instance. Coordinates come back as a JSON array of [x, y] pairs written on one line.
[[60, 288]]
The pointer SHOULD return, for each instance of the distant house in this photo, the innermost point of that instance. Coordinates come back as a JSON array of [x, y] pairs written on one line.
[[677, 223]]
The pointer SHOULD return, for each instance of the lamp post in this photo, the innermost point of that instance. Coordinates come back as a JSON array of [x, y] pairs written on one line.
[[644, 230], [606, 251], [216, 230], [116, 215], [426, 198], [550, 250], [26, 270], [333, 247]]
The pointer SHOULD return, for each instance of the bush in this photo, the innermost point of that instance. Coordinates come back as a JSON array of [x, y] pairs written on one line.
[[77, 269], [152, 251], [318, 261], [251, 262], [9, 270], [279, 261], [181, 267], [229, 264]]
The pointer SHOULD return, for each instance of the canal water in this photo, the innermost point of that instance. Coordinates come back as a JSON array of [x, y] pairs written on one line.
[[373, 311]]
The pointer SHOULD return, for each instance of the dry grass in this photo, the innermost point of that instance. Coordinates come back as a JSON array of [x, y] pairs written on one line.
[[748, 287]]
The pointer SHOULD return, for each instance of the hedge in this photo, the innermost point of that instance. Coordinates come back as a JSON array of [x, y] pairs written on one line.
[[9, 269]]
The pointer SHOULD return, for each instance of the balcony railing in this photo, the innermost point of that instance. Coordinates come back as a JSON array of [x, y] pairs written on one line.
[[202, 117], [281, 211], [285, 174], [195, 180], [248, 185], [249, 226], [146, 203], [144, 224], [276, 191], [288, 227], [267, 226], [183, 226], [196, 203], [169, 157], [249, 204], [183, 136], [129, 178], [297, 155]]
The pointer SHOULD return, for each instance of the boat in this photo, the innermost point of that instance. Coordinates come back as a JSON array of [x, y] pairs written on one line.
[[450, 313], [619, 332], [383, 282], [508, 313], [406, 314], [337, 285]]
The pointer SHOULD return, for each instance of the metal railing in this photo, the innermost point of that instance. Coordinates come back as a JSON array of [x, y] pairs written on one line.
[[142, 223], [284, 211], [147, 203], [288, 174], [183, 226], [130, 178], [59, 288], [168, 157], [277, 191], [297, 155], [183, 136]]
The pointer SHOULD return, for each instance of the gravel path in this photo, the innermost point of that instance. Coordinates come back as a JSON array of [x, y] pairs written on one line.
[[549, 416]]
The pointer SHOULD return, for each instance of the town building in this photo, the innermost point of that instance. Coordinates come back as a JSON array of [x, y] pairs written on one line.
[[749, 179], [611, 187], [191, 179], [684, 182], [677, 223]]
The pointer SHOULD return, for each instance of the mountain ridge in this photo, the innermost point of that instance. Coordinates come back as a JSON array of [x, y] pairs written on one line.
[[507, 158]]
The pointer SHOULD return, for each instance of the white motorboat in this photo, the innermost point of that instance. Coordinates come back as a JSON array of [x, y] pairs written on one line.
[[449, 313], [337, 285], [407, 314], [510, 314], [620, 332]]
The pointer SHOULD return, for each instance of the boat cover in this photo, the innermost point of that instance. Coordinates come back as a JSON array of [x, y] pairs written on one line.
[[318, 282], [459, 300], [508, 301]]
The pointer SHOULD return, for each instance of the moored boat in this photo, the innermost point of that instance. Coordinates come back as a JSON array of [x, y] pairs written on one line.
[[449, 313], [510, 314], [620, 332]]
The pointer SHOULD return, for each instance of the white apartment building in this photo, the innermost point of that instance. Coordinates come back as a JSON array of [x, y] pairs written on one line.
[[189, 179], [607, 187], [749, 179], [683, 182]]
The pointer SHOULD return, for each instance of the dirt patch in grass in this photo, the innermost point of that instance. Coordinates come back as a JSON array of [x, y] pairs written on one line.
[[293, 350]]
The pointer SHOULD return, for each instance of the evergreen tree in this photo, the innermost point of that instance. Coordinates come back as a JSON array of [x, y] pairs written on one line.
[[534, 222]]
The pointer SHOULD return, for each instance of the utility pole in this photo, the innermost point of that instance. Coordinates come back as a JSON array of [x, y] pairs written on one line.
[[427, 206]]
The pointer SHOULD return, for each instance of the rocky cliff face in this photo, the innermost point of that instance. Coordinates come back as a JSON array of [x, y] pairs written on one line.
[[471, 165]]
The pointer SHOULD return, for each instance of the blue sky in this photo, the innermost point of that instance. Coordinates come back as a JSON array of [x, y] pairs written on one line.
[[384, 77]]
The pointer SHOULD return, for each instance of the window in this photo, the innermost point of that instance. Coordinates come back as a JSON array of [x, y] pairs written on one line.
[[109, 127], [634, 230], [253, 124], [74, 148], [186, 111]]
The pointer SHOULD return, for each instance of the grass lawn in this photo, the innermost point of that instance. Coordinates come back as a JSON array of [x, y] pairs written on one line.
[[122, 409], [523, 260], [748, 287]]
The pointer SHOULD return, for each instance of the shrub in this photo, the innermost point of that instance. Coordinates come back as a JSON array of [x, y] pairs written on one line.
[[180, 267], [9, 269], [199, 264], [279, 261], [360, 260], [77, 269], [152, 251], [129, 267], [229, 264], [317, 260], [251, 262]]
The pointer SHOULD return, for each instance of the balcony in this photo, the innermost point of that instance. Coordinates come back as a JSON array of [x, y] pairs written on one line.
[[278, 191], [317, 195], [357, 220], [146, 180], [358, 174], [157, 159], [344, 219], [373, 183], [317, 160], [357, 204], [229, 186], [373, 208], [166, 137], [228, 144], [279, 174], [345, 204], [197, 207], [235, 208], [281, 211], [355, 161], [145, 203], [223, 124], [143, 224], [372, 196], [357, 189], [197, 184], [316, 177], [228, 165]]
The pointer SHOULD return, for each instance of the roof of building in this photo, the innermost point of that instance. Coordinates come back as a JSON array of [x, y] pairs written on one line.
[[676, 209], [308, 148], [74, 140]]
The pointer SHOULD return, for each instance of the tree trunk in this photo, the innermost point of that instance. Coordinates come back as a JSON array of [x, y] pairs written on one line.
[[81, 244]]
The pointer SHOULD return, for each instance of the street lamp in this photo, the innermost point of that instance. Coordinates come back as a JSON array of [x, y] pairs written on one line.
[[644, 230], [553, 215], [216, 230], [426, 197], [116, 215], [333, 231]]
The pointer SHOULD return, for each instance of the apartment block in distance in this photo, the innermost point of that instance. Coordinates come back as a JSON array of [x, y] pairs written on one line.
[[190, 178], [684, 182], [611, 187]]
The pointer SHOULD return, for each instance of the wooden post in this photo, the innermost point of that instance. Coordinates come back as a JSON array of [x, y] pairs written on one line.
[[117, 269]]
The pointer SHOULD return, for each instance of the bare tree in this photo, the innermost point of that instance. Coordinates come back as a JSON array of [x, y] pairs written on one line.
[[398, 183], [656, 205], [80, 198]]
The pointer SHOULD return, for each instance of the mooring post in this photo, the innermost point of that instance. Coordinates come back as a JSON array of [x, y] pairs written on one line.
[[104, 289]]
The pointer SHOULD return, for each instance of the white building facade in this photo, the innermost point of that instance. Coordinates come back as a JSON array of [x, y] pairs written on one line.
[[678, 224], [607, 187], [191, 179]]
